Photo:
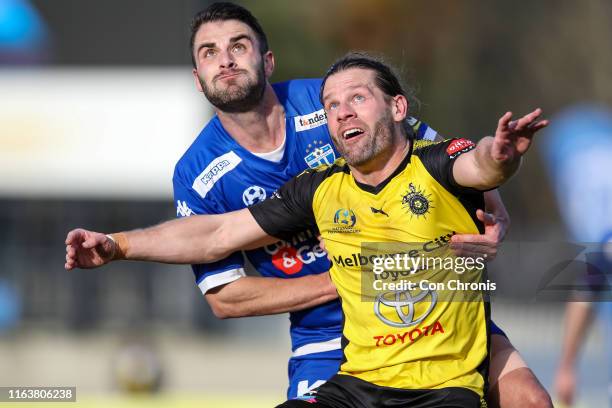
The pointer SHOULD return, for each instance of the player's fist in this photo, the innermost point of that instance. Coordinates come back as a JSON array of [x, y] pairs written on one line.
[[88, 249]]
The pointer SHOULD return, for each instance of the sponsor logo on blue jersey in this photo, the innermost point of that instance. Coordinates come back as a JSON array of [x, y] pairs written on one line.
[[310, 121], [214, 171], [291, 257]]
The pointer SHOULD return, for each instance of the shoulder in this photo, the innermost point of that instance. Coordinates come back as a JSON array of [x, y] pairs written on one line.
[[310, 179], [209, 153], [438, 159], [326, 170], [299, 85], [299, 96], [446, 149], [420, 144]]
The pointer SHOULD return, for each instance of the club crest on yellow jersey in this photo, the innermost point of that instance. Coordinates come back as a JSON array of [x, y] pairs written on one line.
[[417, 201], [344, 221]]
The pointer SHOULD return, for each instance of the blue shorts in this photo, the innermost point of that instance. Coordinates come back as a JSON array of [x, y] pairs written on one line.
[[306, 374]]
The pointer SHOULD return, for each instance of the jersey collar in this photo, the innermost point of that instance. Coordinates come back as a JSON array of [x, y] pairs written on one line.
[[378, 188]]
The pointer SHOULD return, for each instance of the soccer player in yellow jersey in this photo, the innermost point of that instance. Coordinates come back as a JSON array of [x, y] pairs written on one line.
[[386, 189]]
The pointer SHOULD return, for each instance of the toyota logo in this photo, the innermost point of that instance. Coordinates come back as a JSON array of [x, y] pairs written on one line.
[[404, 304]]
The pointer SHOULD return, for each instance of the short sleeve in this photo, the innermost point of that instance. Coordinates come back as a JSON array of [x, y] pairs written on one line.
[[289, 210], [210, 275], [439, 159]]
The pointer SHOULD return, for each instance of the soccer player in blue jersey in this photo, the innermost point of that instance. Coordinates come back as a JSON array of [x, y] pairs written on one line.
[[261, 136], [581, 139]]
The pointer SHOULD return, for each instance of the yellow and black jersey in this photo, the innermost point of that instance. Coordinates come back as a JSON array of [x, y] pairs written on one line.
[[406, 338]]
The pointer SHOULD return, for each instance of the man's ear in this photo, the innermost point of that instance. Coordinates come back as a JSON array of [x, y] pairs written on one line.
[[399, 108], [197, 80], [269, 64]]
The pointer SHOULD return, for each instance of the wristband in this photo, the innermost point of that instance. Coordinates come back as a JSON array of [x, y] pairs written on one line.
[[121, 245]]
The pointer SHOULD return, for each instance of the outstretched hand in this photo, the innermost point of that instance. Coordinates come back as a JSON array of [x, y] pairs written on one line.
[[513, 137], [88, 249]]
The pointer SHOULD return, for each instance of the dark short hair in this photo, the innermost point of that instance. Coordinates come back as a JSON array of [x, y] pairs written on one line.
[[386, 78], [223, 11]]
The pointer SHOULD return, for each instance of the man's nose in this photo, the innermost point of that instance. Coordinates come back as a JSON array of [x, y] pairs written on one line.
[[227, 60], [345, 112]]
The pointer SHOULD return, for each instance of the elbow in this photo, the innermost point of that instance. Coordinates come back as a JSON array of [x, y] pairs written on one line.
[[226, 301], [221, 310], [490, 181], [221, 314]]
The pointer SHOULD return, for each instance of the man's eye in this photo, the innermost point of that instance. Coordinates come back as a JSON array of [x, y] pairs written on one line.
[[238, 48], [332, 106], [209, 53], [358, 98]]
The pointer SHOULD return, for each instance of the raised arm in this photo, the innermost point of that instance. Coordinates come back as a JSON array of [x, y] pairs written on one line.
[[496, 159], [196, 239], [496, 222]]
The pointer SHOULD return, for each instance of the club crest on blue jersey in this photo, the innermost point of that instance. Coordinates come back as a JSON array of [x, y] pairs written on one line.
[[253, 195], [319, 154]]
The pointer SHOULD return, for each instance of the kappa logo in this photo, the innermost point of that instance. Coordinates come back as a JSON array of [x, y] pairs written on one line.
[[304, 389], [182, 209], [310, 121], [214, 171]]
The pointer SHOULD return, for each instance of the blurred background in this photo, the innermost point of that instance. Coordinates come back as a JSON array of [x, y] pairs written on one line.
[[97, 103]]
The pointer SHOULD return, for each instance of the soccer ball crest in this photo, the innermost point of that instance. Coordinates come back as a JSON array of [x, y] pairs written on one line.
[[345, 217], [253, 195]]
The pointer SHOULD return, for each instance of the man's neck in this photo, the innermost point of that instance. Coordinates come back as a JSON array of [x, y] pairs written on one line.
[[261, 129], [382, 166]]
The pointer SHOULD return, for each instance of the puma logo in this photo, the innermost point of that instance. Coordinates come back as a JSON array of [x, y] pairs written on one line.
[[378, 211]]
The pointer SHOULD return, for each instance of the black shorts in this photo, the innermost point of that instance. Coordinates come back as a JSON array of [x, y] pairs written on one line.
[[345, 391]]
